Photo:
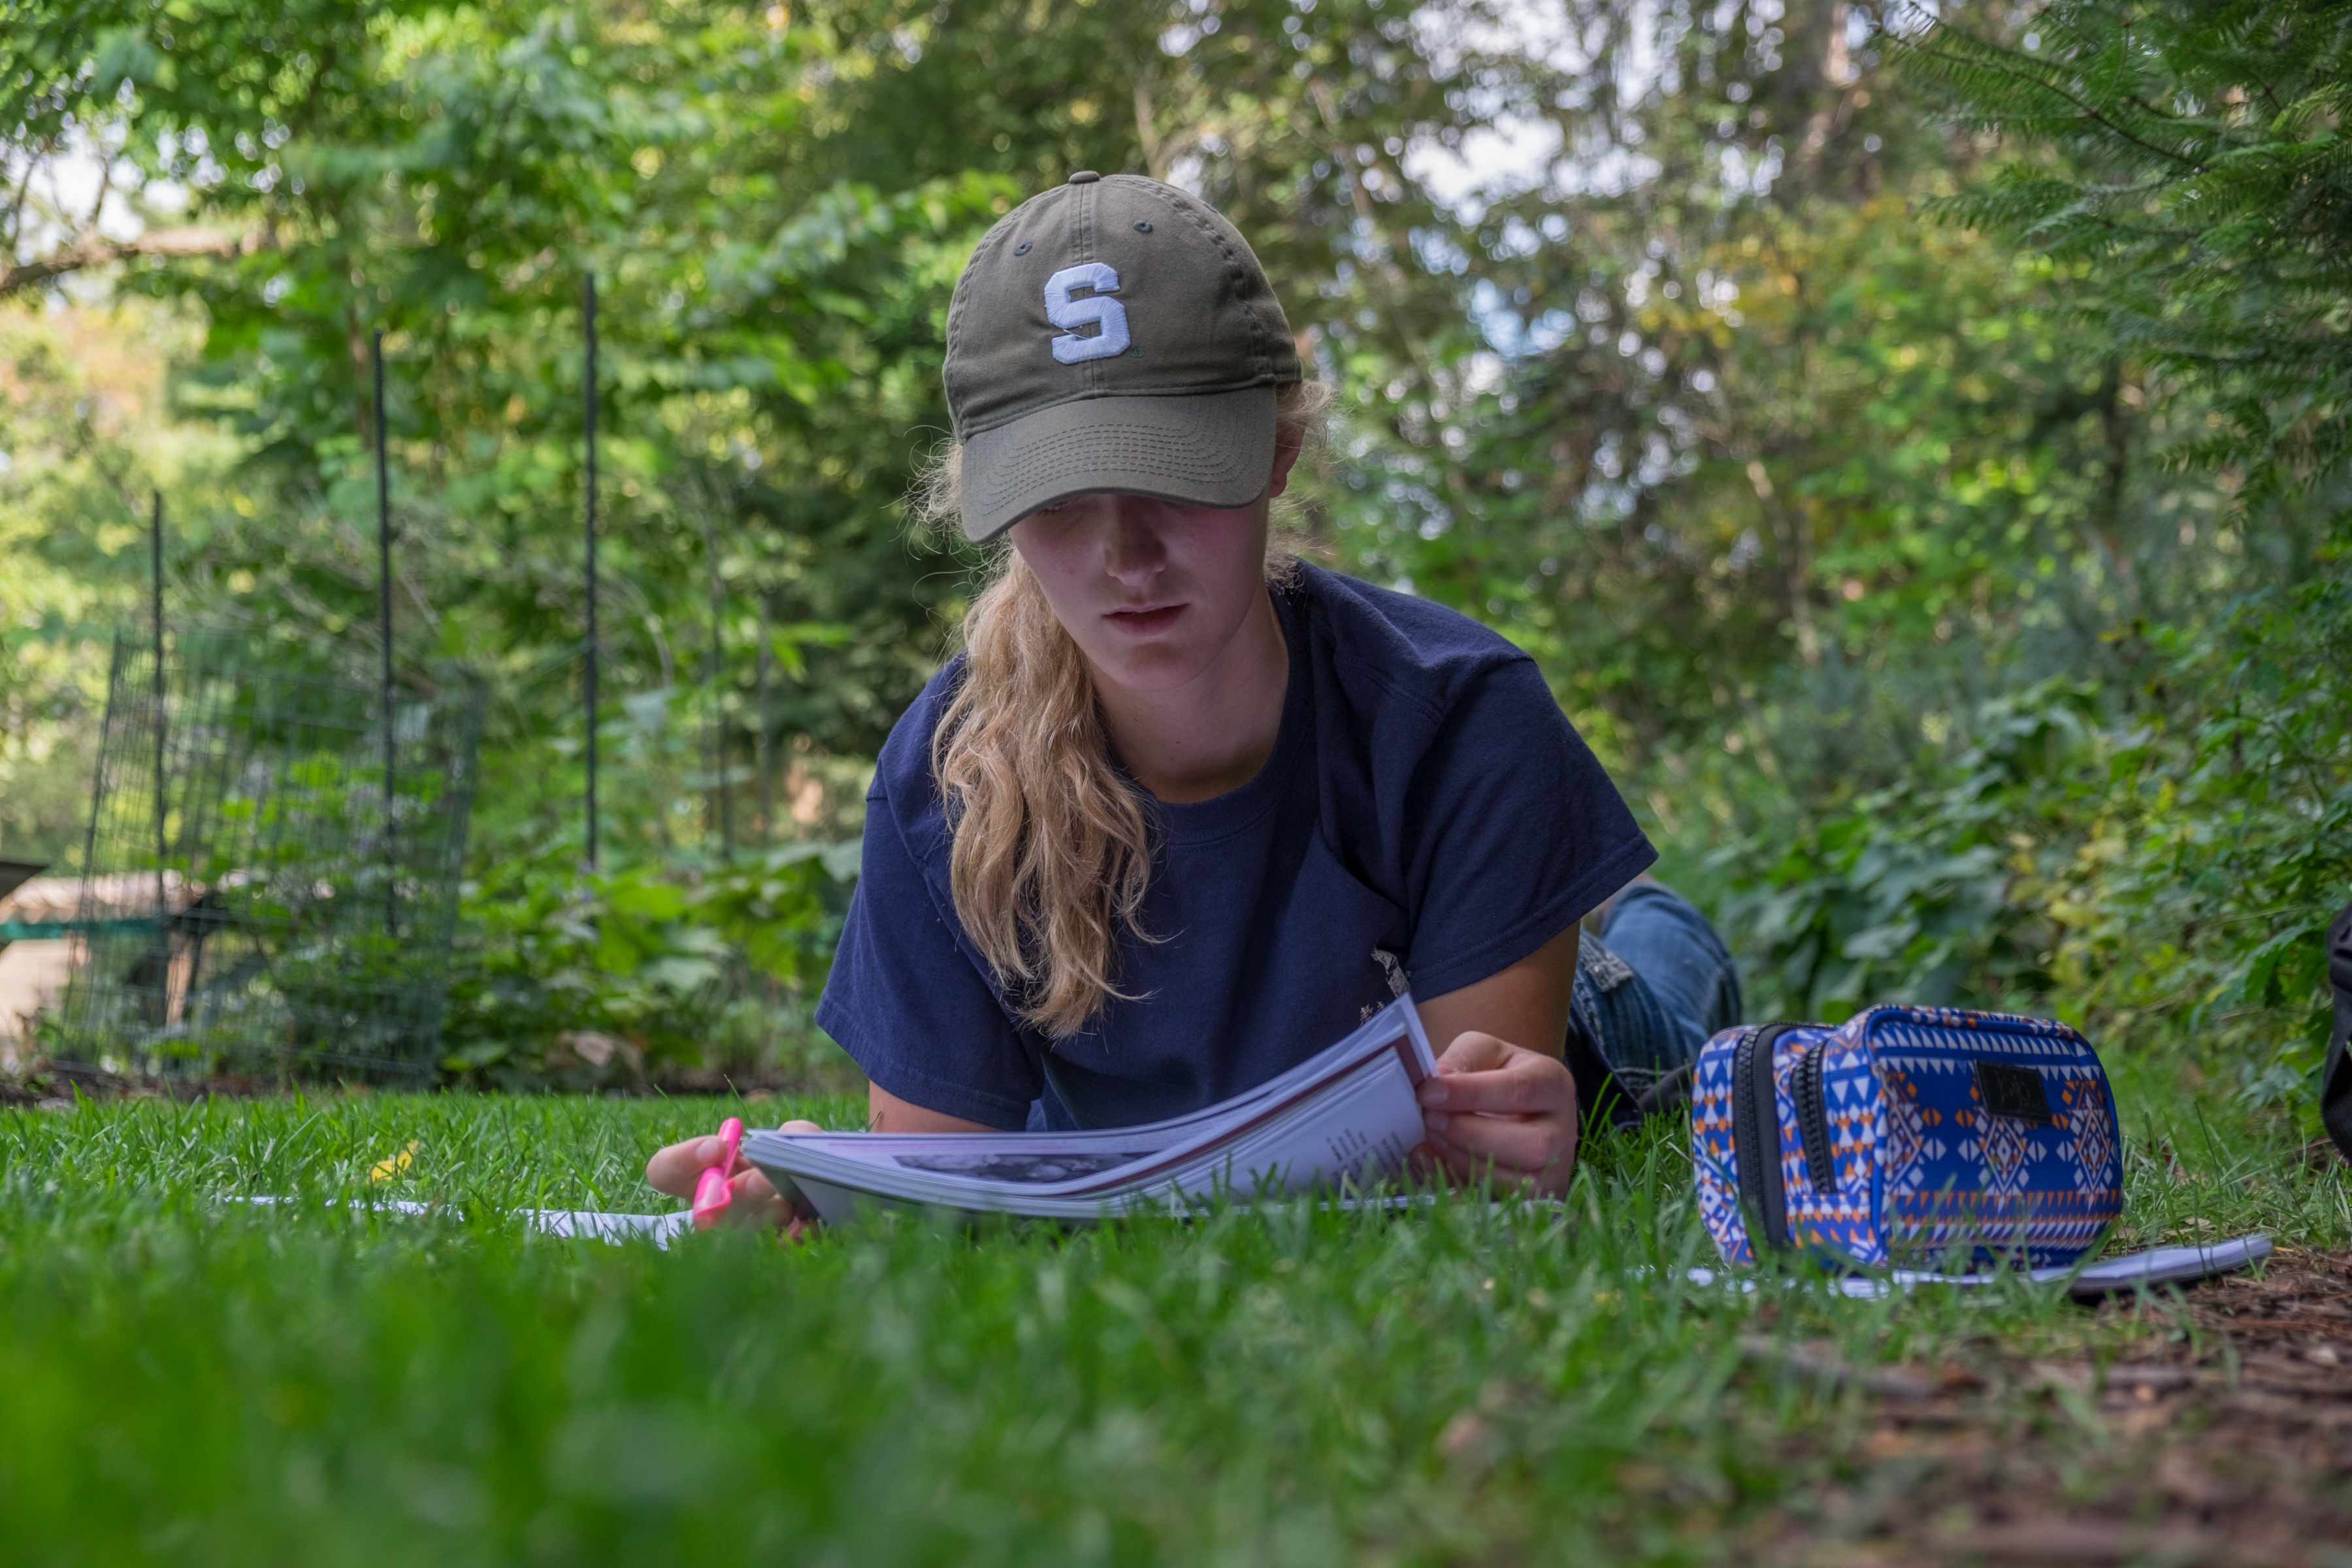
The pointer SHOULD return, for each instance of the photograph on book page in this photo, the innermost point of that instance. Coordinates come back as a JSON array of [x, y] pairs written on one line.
[[1028, 1167]]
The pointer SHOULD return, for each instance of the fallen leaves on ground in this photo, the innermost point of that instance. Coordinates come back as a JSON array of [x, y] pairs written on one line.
[[2222, 1437]]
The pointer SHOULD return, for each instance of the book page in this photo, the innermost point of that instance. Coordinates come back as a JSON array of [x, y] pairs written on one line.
[[1359, 1128], [1348, 1112]]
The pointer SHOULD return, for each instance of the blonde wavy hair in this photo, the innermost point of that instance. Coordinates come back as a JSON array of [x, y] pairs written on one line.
[[1052, 844]]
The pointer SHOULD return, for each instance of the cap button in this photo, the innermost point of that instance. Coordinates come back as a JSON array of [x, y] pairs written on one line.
[[1084, 177]]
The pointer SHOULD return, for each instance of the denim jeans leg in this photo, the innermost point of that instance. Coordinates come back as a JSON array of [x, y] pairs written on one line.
[[1667, 942], [1649, 991]]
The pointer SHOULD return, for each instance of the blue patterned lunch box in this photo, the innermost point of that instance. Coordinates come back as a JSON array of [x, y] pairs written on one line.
[[1919, 1137]]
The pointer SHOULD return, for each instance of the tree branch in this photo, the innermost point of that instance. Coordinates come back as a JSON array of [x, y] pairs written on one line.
[[1997, 65], [24, 189], [105, 188], [1146, 131], [93, 251]]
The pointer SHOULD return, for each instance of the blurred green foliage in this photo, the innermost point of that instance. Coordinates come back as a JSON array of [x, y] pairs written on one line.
[[2193, 154], [2160, 849], [1911, 450]]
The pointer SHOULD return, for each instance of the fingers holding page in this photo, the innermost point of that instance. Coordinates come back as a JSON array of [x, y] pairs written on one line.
[[1498, 1111], [1528, 1146], [1502, 1081]]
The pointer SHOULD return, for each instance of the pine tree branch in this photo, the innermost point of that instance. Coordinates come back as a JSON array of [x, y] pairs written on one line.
[[2085, 109]]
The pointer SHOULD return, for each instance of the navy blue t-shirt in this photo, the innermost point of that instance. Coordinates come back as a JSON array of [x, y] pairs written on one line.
[[1428, 815]]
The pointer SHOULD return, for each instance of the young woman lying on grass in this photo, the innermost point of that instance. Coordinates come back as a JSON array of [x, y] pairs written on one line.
[[1186, 810]]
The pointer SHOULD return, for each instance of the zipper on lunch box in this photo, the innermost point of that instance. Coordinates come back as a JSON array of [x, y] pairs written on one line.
[[1756, 1134], [1812, 1094]]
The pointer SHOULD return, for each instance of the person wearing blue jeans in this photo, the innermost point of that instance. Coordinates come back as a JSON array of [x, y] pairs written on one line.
[[1651, 985], [1186, 809]]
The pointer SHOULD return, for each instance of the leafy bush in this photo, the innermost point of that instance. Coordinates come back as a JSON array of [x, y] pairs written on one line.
[[1922, 891], [2163, 866], [2199, 894], [574, 980]]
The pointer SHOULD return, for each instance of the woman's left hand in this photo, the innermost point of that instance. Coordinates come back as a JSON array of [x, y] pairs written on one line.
[[1498, 1111]]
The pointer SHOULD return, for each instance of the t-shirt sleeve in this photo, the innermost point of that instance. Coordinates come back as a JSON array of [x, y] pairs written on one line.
[[1523, 833], [909, 1006]]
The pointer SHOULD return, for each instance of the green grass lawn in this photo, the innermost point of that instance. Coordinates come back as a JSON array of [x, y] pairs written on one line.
[[190, 1379]]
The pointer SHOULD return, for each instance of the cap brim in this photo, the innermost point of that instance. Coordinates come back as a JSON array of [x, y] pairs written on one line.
[[1211, 450]]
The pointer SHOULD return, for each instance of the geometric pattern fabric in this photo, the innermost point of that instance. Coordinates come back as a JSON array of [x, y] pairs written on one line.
[[1924, 1174]]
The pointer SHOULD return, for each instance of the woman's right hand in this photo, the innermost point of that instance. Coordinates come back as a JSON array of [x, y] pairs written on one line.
[[676, 1168]]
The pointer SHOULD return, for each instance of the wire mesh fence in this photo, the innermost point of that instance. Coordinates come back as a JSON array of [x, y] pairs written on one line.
[[270, 877]]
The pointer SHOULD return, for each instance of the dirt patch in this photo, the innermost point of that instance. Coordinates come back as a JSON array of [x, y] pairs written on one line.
[[2223, 1435], [61, 1085]]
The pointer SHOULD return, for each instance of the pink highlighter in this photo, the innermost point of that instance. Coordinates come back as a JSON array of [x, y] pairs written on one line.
[[713, 1192]]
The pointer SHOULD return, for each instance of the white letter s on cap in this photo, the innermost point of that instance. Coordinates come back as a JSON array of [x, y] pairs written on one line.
[[1072, 314]]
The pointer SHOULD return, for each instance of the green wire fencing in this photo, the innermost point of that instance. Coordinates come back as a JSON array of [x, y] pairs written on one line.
[[271, 869]]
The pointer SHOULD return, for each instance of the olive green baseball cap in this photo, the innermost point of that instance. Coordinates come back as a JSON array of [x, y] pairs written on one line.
[[1113, 333]]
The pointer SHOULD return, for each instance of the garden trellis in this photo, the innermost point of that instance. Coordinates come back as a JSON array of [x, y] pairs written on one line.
[[271, 872], [277, 826], [256, 899]]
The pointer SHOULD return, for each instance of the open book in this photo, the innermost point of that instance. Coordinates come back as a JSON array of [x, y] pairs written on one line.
[[1346, 1116]]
